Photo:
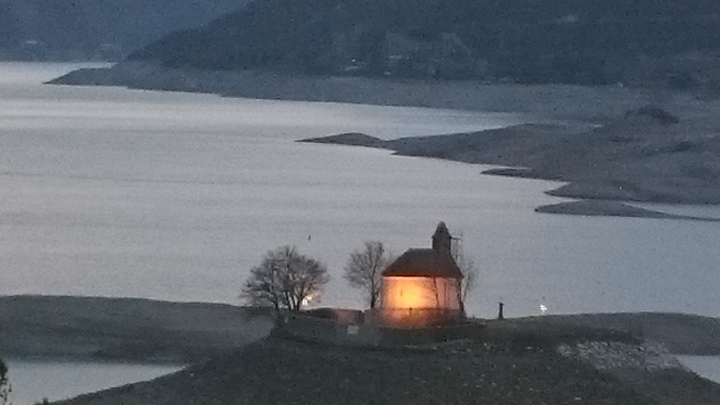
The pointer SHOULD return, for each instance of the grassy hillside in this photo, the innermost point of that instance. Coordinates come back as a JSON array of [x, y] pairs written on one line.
[[527, 366], [276, 371], [584, 41], [122, 329]]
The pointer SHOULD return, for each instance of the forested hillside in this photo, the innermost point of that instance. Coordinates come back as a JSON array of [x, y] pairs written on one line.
[[57, 29], [584, 41]]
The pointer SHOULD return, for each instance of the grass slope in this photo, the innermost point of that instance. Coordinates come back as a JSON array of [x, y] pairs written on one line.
[[276, 371], [122, 329], [679, 333]]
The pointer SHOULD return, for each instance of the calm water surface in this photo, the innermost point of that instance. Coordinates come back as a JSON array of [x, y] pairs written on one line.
[[175, 196], [33, 381]]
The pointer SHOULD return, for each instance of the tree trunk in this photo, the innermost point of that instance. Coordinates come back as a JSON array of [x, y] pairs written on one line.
[[461, 297]]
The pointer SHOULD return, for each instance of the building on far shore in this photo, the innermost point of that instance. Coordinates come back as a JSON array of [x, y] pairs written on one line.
[[423, 286]]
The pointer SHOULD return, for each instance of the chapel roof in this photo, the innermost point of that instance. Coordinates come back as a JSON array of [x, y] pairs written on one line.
[[423, 263]]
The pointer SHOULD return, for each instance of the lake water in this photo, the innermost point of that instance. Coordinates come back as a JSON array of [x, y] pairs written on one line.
[[113, 192], [108, 191], [32, 381], [705, 366]]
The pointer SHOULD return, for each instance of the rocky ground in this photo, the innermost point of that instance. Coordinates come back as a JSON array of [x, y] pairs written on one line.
[[646, 155], [568, 359], [679, 333], [637, 157], [279, 371]]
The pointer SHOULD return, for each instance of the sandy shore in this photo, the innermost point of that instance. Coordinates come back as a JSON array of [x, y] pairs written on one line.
[[603, 144]]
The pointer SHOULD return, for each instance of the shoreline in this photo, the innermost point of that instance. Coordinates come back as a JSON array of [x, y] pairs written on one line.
[[122, 330], [612, 147], [144, 331], [590, 198], [604, 208], [551, 101]]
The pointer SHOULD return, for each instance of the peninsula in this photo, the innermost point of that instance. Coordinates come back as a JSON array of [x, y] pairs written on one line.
[[645, 155]]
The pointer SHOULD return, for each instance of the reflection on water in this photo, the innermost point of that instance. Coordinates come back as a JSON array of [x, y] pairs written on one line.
[[176, 196], [33, 381], [705, 366]]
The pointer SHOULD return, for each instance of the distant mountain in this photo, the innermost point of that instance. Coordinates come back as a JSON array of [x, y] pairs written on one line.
[[65, 28], [581, 41]]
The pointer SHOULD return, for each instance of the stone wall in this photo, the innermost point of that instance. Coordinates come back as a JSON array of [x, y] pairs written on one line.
[[324, 330]]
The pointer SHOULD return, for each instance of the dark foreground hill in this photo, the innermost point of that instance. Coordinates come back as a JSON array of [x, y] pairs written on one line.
[[277, 371], [559, 367], [674, 42]]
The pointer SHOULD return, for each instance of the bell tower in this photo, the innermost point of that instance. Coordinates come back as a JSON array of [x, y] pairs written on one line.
[[441, 240]]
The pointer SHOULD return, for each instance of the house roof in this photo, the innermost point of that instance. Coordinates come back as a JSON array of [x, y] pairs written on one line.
[[423, 263]]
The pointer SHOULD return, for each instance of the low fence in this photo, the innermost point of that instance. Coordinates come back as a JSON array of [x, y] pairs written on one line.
[[355, 328], [430, 335], [411, 318], [324, 330], [365, 330]]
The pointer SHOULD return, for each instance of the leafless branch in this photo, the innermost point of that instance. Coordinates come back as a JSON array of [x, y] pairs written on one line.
[[364, 270], [285, 279]]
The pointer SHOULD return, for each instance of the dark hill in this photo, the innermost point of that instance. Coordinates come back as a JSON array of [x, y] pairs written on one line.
[[583, 41], [276, 371], [279, 371], [62, 28]]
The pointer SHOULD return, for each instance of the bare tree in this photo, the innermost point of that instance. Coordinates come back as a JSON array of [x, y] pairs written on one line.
[[285, 279], [4, 384], [364, 270], [469, 271]]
